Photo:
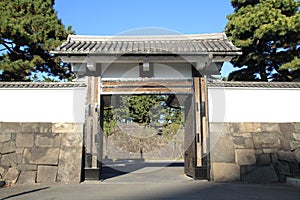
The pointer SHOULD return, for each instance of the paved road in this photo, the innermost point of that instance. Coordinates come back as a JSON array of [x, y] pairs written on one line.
[[150, 181], [139, 191]]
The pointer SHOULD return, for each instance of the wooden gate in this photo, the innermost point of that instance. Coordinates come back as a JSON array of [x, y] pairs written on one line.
[[196, 157]]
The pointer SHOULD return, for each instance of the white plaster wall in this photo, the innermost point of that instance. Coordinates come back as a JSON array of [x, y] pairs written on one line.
[[42, 105], [253, 105]]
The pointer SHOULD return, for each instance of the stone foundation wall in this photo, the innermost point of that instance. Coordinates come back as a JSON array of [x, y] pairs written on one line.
[[40, 152], [254, 152]]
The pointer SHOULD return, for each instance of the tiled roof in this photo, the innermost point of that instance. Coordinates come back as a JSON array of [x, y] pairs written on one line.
[[156, 44], [234, 84], [41, 85]]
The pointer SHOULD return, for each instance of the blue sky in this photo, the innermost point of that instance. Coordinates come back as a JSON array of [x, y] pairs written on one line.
[[114, 17]]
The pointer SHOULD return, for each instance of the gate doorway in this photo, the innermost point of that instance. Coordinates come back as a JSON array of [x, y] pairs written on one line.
[[156, 125]]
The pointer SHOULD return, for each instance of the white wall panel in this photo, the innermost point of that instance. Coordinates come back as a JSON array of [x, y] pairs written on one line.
[[42, 105], [254, 105]]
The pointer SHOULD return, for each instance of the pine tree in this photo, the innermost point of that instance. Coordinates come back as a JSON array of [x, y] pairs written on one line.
[[268, 32], [28, 31]]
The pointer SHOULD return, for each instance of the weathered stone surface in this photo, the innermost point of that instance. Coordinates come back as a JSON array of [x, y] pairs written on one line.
[[258, 151], [4, 137], [36, 127], [284, 169], [270, 127], [27, 177], [297, 127], [12, 175], [69, 168], [225, 172], [264, 174], [234, 128], [295, 145], [285, 144], [223, 150], [71, 140], [243, 143], [11, 127], [296, 136], [46, 174], [297, 155], [24, 139], [244, 135], [216, 127], [48, 140], [245, 156], [41, 155], [8, 147], [26, 167], [266, 140], [286, 156], [2, 172], [67, 128], [20, 150], [19, 157], [263, 159], [286, 127], [8, 160], [250, 127], [270, 150]]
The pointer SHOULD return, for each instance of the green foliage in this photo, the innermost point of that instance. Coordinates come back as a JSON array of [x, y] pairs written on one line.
[[268, 32], [109, 121], [28, 31], [147, 110]]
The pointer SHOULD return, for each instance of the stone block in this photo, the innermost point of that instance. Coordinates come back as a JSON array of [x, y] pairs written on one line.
[[27, 177], [11, 127], [69, 168], [296, 136], [265, 174], [24, 139], [8, 147], [225, 172], [297, 155], [19, 157], [297, 127], [295, 145], [4, 137], [244, 135], [216, 127], [270, 150], [243, 143], [71, 140], [20, 150], [46, 174], [12, 175], [286, 156], [286, 130], [8, 160], [48, 140], [234, 128], [67, 128], [41, 155], [270, 127], [258, 151], [26, 167], [283, 168], [266, 140], [263, 159], [250, 127], [36, 127], [2, 171], [223, 150], [245, 157], [285, 144]]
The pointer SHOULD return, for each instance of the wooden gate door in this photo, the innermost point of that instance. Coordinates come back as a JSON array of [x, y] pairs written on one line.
[[196, 129]]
